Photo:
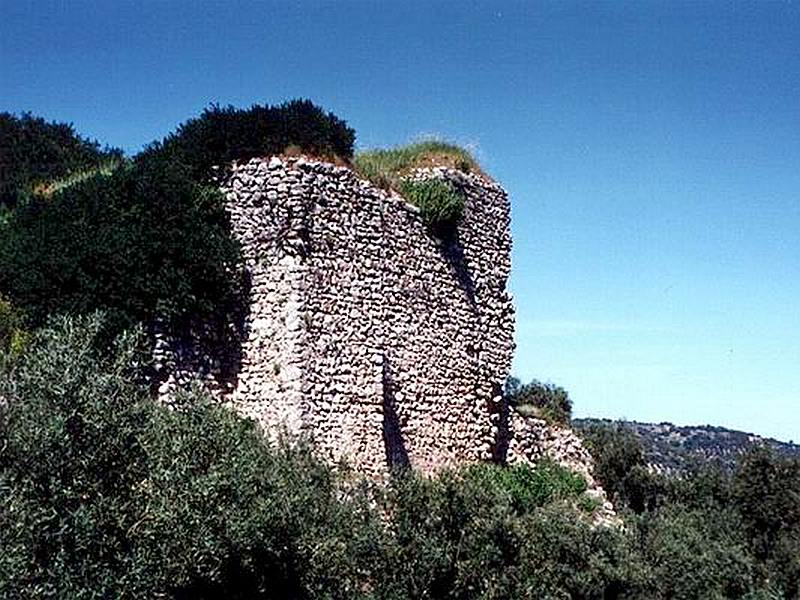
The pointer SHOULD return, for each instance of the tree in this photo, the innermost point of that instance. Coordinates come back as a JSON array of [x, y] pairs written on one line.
[[621, 467], [109, 494], [766, 491], [545, 400], [33, 151]]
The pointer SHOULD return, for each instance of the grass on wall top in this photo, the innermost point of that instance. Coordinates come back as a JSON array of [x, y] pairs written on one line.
[[386, 168]]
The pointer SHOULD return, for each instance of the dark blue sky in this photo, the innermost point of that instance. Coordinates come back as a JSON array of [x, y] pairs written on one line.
[[651, 151]]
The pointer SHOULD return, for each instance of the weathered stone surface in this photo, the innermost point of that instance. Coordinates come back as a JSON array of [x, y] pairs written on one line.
[[384, 345], [530, 439]]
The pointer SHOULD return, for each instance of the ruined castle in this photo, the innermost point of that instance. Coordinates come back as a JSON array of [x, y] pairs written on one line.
[[382, 343]]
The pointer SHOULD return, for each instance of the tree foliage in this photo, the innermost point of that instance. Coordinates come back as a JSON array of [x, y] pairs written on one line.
[[108, 494], [727, 535], [222, 134], [544, 400], [34, 151], [151, 239]]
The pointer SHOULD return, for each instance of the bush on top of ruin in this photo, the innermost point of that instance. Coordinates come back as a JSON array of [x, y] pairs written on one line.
[[223, 134]]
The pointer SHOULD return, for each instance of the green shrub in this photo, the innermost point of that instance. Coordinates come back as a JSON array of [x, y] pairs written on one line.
[[35, 152], [529, 487], [620, 466], [221, 135], [694, 553], [440, 204], [142, 242], [461, 535], [766, 494], [150, 238], [107, 494], [544, 400]]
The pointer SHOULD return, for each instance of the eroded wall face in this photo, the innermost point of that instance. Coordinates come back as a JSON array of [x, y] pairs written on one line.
[[382, 343]]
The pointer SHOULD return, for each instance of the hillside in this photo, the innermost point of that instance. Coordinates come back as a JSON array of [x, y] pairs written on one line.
[[671, 447]]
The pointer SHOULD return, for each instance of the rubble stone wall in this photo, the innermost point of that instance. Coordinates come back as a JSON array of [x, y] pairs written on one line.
[[529, 439], [364, 332], [385, 345]]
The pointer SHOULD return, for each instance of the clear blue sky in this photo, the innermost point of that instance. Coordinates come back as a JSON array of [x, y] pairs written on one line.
[[651, 151]]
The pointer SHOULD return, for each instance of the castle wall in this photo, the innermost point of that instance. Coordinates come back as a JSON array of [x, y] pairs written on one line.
[[383, 344], [362, 331]]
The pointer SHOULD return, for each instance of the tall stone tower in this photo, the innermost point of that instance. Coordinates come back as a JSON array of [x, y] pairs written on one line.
[[385, 345]]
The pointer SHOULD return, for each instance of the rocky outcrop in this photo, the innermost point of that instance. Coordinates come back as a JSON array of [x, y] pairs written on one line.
[[531, 439]]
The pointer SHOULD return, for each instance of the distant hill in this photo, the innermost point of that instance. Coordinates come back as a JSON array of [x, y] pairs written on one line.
[[670, 448]]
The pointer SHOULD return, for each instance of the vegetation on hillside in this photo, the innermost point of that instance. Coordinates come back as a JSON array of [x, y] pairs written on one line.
[[34, 152], [709, 533], [149, 239], [220, 135], [109, 494], [672, 448]]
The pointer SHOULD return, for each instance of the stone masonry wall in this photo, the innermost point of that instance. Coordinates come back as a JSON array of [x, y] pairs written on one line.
[[383, 344]]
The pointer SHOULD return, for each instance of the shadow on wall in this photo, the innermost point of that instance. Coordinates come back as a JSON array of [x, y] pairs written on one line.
[[208, 349], [235, 319], [396, 453], [502, 410], [452, 251]]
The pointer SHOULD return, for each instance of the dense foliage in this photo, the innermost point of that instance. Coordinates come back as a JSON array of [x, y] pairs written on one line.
[[727, 535], [439, 202], [33, 151], [143, 241], [221, 135], [151, 238], [544, 400], [109, 494]]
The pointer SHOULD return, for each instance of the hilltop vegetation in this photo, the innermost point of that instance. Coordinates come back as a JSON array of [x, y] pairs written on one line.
[[671, 448], [386, 168], [151, 238], [34, 152]]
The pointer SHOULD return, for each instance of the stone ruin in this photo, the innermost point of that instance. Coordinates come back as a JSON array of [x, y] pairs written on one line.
[[382, 344]]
